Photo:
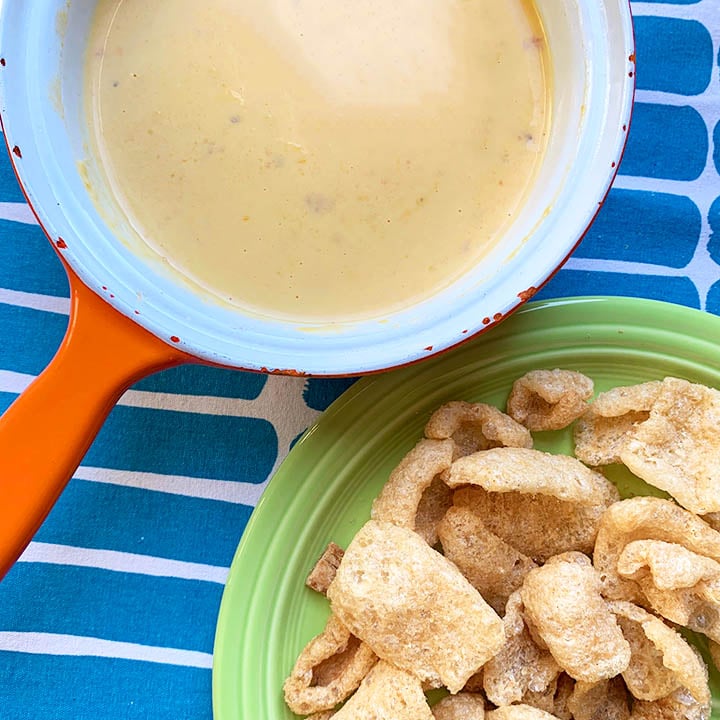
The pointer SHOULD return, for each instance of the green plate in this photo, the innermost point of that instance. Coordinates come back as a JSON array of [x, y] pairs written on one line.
[[324, 488]]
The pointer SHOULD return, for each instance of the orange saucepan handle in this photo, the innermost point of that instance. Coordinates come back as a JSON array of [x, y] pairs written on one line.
[[46, 432]]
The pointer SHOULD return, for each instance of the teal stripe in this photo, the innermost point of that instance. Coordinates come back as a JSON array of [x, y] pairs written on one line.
[[181, 443], [202, 380], [9, 189], [673, 55], [30, 338], [680, 290], [145, 522], [664, 227], [36, 687], [165, 612], [666, 142], [29, 263]]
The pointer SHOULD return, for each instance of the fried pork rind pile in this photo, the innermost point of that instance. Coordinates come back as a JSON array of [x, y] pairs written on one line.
[[518, 581]]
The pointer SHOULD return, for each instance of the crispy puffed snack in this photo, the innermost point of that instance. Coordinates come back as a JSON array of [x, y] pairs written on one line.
[[325, 568], [387, 693], [549, 526], [519, 712], [603, 431], [563, 602], [328, 670], [413, 607], [476, 426], [492, 566], [607, 699], [680, 585], [643, 518], [666, 565], [679, 705], [549, 399], [521, 667], [402, 494], [563, 693], [463, 706], [714, 649], [677, 448], [529, 471], [436, 500], [661, 661]]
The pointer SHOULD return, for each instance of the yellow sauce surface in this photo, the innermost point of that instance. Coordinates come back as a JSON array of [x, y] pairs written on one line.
[[318, 159]]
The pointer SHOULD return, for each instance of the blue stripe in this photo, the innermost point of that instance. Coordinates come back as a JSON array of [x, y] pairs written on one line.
[[666, 142], [166, 612], [320, 393], [673, 55], [30, 338], [680, 290], [201, 380], [180, 443], [664, 227], [29, 263], [716, 143], [9, 188], [714, 220], [713, 299], [673, 2], [35, 687], [145, 522]]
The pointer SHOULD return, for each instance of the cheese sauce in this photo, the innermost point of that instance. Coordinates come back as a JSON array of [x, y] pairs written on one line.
[[318, 159]]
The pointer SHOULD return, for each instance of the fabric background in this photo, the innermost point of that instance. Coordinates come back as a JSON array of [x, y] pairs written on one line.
[[111, 611]]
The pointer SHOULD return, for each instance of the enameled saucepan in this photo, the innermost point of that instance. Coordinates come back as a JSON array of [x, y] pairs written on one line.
[[130, 317]]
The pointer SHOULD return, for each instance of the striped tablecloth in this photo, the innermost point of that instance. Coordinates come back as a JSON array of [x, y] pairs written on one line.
[[111, 611]]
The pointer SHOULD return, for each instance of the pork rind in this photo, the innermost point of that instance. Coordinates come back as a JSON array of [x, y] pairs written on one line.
[[549, 399], [551, 699], [661, 661], [387, 692], [679, 584], [564, 690], [677, 448], [667, 566], [492, 566], [607, 699], [519, 712], [549, 526], [402, 494], [413, 607], [521, 668], [530, 471], [603, 431], [642, 518], [476, 426], [328, 670], [325, 568], [563, 603], [679, 705], [714, 649], [436, 500], [463, 706]]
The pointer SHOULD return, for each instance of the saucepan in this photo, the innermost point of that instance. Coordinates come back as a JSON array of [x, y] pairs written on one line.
[[131, 316]]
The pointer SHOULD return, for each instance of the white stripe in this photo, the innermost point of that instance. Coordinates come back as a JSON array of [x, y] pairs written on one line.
[[622, 266], [35, 301], [660, 97], [17, 212], [14, 382], [38, 643], [280, 403], [122, 562], [239, 493]]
